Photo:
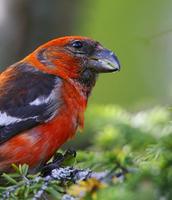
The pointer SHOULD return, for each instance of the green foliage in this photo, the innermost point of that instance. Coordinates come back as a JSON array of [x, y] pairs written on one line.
[[133, 150]]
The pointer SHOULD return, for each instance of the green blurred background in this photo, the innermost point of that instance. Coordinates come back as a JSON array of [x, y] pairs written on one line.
[[139, 32]]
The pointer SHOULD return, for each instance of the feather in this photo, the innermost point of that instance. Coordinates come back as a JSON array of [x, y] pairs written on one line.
[[27, 103]]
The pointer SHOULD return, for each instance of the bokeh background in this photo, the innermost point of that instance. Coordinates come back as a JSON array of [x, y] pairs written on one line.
[[139, 32]]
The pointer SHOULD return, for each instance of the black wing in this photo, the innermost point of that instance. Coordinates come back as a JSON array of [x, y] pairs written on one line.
[[28, 97]]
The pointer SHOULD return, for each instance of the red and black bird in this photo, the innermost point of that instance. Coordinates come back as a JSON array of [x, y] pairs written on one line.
[[43, 98]]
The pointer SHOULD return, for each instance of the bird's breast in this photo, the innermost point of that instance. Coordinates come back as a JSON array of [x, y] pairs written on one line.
[[64, 125]]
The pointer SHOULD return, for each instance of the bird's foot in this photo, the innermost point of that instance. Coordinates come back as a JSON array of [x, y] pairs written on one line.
[[59, 160]]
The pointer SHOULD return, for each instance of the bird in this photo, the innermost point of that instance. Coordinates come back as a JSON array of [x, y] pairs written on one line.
[[43, 98]]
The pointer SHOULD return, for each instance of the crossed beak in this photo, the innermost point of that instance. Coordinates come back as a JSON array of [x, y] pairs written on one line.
[[104, 61]]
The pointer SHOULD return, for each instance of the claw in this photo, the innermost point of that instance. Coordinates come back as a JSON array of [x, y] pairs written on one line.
[[58, 161]]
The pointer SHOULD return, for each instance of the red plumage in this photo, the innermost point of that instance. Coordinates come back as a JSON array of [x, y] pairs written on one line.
[[43, 98]]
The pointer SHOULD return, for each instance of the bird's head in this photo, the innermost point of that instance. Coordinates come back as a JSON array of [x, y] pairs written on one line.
[[75, 57]]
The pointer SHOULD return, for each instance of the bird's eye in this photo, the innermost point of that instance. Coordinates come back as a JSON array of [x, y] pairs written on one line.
[[77, 44]]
